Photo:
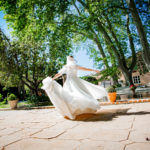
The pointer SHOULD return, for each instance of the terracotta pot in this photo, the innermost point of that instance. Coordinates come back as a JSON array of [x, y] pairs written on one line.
[[13, 104], [112, 96]]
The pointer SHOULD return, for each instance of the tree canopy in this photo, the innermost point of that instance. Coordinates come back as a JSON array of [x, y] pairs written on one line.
[[115, 31]]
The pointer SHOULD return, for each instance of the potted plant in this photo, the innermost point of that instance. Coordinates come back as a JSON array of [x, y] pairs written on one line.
[[112, 93], [12, 101]]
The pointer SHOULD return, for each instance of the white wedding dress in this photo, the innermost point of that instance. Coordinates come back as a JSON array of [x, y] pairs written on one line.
[[76, 96]]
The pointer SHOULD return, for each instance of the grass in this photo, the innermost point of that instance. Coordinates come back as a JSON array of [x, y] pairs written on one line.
[[20, 104], [4, 106]]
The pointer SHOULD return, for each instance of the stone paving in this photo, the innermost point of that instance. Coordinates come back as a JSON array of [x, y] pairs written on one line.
[[114, 127]]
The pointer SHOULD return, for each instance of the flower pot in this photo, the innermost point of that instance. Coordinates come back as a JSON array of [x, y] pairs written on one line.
[[112, 96], [13, 104]]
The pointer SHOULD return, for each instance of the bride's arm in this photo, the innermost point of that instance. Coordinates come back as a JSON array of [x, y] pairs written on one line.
[[56, 76], [87, 69], [61, 71]]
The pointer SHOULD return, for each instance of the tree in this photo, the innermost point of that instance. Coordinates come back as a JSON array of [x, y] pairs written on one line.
[[43, 20], [103, 23], [4, 75], [30, 59], [110, 34], [141, 32], [83, 27], [38, 49]]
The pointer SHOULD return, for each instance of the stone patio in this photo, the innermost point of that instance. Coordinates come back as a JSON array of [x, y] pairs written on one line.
[[115, 127]]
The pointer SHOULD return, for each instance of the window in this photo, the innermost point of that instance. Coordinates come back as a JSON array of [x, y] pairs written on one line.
[[136, 80]]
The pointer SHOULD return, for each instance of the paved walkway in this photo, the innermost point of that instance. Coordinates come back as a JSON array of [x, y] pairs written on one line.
[[115, 127]]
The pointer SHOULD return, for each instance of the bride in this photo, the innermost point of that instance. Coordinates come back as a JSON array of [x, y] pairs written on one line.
[[77, 96]]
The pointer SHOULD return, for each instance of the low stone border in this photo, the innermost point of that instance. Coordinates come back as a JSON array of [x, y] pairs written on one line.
[[101, 103], [28, 108], [125, 102]]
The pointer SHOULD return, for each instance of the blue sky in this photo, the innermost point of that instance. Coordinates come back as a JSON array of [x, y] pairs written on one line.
[[3, 24], [81, 56]]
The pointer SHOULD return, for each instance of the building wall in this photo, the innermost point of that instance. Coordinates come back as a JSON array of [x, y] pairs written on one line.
[[105, 83], [143, 78]]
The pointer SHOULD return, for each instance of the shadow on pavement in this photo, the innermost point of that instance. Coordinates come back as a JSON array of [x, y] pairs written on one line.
[[108, 115]]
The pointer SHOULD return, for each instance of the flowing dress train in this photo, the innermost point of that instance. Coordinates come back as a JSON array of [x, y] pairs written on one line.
[[76, 96], [74, 84], [68, 104]]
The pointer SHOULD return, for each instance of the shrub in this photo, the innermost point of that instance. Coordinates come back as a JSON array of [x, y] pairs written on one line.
[[111, 89], [11, 97], [117, 85], [2, 100], [1, 97], [90, 79], [39, 100]]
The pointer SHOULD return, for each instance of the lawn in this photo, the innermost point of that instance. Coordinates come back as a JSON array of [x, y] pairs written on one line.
[[20, 104], [24, 104]]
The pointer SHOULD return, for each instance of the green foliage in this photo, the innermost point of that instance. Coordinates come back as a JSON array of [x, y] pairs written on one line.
[[1, 97], [11, 97], [109, 72], [39, 46], [111, 89], [90, 79], [4, 101], [44, 32], [39, 100], [117, 86]]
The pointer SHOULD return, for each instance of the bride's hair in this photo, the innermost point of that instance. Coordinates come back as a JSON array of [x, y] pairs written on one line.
[[70, 60]]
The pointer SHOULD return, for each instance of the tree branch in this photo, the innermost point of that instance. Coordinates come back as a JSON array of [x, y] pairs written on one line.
[[74, 3], [131, 45], [28, 85], [116, 40]]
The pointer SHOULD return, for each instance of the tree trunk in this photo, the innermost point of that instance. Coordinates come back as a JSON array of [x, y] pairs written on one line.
[[142, 34], [115, 80], [121, 61], [133, 92], [101, 52], [134, 59], [118, 53], [21, 90], [128, 77]]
